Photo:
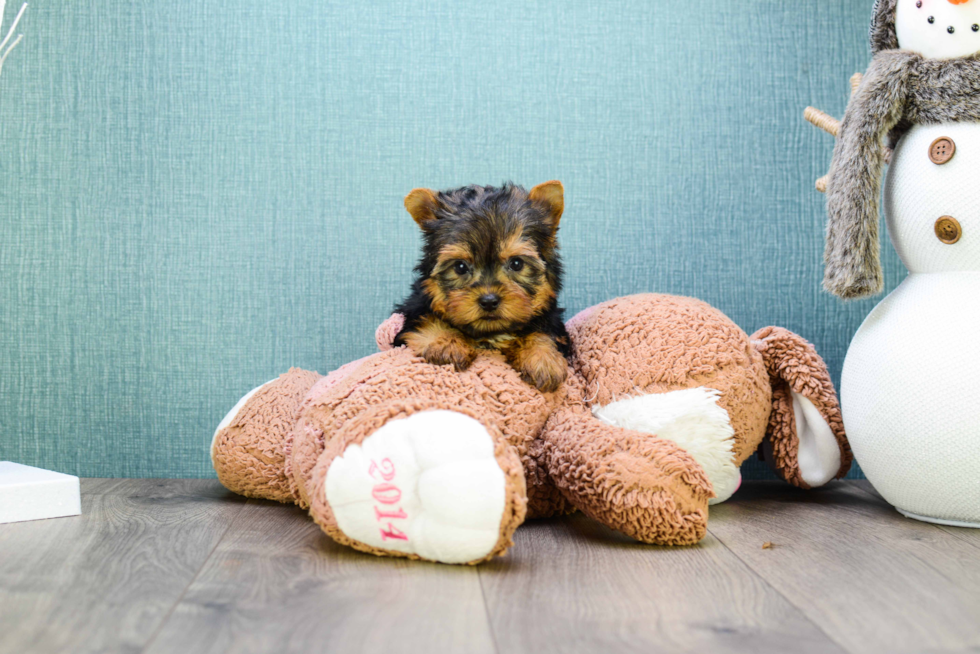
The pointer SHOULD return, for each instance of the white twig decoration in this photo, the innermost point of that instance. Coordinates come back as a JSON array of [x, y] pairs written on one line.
[[3, 44]]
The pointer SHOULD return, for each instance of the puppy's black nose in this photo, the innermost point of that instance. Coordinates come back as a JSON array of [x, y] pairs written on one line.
[[489, 301]]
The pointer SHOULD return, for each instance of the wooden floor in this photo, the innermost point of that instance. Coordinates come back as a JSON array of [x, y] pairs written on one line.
[[185, 566]]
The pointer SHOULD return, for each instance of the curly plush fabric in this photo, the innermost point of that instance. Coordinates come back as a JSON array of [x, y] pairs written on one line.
[[652, 343], [647, 488], [386, 332], [794, 365], [249, 454], [553, 454], [490, 389]]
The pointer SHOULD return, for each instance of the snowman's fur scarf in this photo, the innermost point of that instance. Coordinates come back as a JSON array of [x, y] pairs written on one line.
[[883, 35], [900, 89]]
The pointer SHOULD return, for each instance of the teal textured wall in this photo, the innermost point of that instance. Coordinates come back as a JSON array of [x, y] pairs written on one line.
[[195, 196]]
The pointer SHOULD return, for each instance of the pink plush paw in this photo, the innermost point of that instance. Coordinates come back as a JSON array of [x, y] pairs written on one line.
[[386, 332]]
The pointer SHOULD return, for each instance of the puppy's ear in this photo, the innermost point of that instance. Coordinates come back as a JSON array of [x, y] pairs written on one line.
[[422, 203], [550, 196]]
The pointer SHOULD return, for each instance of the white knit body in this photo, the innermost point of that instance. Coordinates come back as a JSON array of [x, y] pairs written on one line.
[[910, 388]]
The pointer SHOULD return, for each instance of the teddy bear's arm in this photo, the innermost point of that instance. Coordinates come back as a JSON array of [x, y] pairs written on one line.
[[643, 486]]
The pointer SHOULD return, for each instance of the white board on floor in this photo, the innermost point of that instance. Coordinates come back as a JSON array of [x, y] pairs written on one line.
[[28, 493]]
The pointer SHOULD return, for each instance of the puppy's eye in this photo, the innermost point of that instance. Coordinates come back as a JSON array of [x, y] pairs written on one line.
[[517, 265], [461, 268]]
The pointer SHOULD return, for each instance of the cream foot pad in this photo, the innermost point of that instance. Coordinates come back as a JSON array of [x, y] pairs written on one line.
[[428, 485]]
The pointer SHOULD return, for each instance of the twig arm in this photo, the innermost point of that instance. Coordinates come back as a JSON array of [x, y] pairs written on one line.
[[5, 53]]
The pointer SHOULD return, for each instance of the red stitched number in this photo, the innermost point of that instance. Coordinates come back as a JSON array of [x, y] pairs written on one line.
[[393, 532], [400, 513], [387, 493], [386, 469]]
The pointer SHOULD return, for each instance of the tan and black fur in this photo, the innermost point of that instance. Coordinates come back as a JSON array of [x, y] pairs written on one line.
[[489, 278], [899, 90]]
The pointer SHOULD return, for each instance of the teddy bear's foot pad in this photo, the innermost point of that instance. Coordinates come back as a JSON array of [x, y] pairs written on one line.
[[428, 485]]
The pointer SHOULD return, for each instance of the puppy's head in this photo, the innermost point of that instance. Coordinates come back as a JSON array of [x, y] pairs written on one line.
[[490, 262]]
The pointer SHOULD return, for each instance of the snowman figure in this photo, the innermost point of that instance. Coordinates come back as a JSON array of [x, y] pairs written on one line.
[[910, 388]]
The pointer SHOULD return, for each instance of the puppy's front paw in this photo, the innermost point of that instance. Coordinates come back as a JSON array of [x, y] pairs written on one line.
[[449, 351], [441, 345], [540, 363], [547, 376]]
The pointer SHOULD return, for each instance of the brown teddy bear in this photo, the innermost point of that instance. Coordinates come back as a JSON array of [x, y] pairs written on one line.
[[666, 397]]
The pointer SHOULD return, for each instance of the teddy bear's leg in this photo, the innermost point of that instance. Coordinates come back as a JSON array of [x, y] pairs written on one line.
[[647, 487], [805, 442], [232, 414], [691, 418], [422, 481], [247, 449]]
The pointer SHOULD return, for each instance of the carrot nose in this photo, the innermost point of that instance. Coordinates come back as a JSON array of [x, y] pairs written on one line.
[[958, 2]]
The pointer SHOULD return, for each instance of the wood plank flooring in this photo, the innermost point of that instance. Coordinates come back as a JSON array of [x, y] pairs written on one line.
[[185, 566]]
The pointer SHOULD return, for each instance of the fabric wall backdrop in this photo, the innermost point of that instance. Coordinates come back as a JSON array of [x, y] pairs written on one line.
[[196, 196]]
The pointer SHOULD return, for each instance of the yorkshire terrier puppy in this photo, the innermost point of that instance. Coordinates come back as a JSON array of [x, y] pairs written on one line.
[[489, 279]]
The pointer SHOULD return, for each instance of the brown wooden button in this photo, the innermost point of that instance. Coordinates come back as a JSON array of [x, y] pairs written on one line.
[[948, 230], [942, 150]]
